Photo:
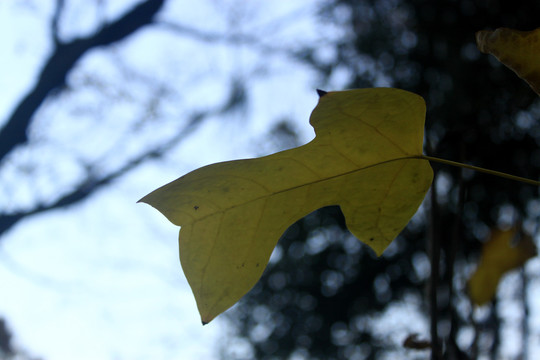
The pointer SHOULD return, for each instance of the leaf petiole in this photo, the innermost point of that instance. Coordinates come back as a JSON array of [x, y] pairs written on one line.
[[476, 168]]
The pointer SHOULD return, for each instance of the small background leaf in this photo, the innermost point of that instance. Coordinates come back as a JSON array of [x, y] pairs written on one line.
[[518, 50], [233, 213], [504, 251]]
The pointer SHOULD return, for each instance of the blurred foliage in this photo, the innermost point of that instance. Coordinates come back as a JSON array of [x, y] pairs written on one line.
[[519, 50], [505, 250], [324, 292]]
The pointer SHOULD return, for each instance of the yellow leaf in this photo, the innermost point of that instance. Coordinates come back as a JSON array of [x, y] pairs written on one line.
[[519, 50], [499, 255], [233, 213]]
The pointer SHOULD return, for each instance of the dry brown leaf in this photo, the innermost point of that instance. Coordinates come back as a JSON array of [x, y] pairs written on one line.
[[499, 255], [518, 50]]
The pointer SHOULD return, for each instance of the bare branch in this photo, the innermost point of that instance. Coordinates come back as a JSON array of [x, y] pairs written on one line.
[[61, 61], [92, 182], [434, 249], [234, 38], [302, 53], [6, 345], [55, 20], [208, 36]]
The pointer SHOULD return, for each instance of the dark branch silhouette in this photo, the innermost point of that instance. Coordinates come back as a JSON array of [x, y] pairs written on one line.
[[93, 182], [61, 62]]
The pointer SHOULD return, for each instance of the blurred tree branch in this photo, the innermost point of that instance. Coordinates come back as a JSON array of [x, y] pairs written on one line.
[[92, 181], [53, 77], [62, 60], [52, 80], [55, 19], [6, 346]]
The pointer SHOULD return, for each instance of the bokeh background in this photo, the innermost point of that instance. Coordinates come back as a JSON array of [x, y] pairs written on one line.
[[103, 101]]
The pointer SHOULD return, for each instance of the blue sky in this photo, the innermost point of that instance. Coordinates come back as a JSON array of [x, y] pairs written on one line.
[[101, 279]]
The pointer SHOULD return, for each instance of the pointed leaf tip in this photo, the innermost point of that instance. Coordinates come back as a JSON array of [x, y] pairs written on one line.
[[321, 92]]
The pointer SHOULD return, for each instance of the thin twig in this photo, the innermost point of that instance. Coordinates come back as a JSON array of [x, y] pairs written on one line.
[[484, 170], [434, 256], [451, 258]]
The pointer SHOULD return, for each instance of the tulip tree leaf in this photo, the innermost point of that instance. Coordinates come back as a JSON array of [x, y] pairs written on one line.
[[505, 250], [518, 50], [366, 158]]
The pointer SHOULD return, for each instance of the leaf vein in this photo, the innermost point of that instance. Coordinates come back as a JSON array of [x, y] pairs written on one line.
[[413, 157], [376, 129]]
